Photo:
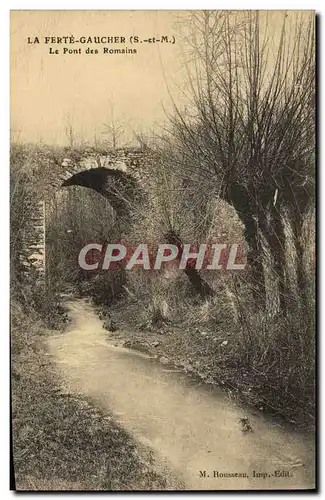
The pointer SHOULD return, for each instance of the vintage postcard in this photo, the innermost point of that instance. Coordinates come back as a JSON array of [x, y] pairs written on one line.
[[162, 245]]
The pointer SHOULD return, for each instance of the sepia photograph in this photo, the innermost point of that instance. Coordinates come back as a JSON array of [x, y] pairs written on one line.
[[163, 250]]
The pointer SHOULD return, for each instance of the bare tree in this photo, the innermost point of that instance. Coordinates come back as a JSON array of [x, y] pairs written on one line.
[[114, 130], [70, 131], [249, 125], [15, 134]]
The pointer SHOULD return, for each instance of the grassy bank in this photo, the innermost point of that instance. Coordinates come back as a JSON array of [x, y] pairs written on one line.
[[60, 441], [265, 371]]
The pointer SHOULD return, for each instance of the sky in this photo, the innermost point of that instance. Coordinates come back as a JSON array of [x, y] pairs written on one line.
[[50, 90]]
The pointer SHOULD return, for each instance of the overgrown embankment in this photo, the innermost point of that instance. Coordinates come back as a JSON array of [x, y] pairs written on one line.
[[61, 442], [268, 364]]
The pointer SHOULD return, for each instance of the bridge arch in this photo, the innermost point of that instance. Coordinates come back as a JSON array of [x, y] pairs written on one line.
[[119, 176]]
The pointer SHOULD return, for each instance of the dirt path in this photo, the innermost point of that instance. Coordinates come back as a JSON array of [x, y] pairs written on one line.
[[192, 428]]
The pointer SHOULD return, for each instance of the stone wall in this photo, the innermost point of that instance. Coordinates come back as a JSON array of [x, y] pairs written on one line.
[[133, 162]]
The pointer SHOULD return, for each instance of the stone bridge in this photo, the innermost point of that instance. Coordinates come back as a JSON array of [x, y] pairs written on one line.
[[119, 176]]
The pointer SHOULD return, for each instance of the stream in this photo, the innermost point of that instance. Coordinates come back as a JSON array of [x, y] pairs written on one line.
[[192, 427]]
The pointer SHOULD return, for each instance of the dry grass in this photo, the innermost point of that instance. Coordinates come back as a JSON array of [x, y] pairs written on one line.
[[268, 362]]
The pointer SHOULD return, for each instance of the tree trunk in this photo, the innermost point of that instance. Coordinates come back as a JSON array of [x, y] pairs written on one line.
[[296, 224], [240, 198], [271, 225], [255, 259], [200, 286]]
